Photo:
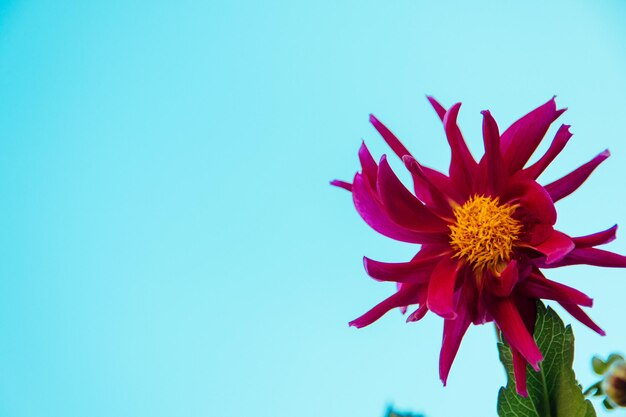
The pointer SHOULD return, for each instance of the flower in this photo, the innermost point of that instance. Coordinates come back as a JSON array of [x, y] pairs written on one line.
[[486, 231], [614, 384]]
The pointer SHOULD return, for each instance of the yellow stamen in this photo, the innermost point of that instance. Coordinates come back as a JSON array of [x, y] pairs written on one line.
[[484, 232]]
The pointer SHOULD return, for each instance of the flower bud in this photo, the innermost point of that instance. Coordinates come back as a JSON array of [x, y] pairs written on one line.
[[615, 384]]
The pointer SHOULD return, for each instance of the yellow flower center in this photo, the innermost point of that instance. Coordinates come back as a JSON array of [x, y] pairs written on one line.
[[484, 232]]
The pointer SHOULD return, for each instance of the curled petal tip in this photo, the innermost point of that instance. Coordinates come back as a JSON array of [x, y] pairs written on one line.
[[535, 364], [366, 260], [341, 184], [566, 129]]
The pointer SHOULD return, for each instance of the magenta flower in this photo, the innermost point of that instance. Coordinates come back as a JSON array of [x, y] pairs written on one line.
[[486, 231]]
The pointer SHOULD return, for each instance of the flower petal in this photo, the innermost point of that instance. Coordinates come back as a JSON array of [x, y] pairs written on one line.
[[590, 256], [440, 191], [368, 165], [491, 172], [405, 296], [441, 111], [503, 285], [441, 287], [509, 321], [418, 314], [558, 143], [417, 270], [391, 139], [403, 207], [521, 139], [568, 184], [539, 287], [519, 370], [342, 184], [533, 198], [556, 247], [599, 238], [462, 164], [453, 332], [582, 317], [370, 208]]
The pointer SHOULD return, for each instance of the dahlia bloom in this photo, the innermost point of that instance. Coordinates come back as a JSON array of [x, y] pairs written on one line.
[[486, 231]]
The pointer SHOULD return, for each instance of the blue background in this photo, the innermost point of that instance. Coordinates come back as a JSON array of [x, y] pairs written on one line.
[[169, 242]]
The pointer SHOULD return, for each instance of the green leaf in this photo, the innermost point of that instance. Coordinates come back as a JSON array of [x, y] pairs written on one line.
[[595, 390], [614, 357], [553, 391], [599, 366]]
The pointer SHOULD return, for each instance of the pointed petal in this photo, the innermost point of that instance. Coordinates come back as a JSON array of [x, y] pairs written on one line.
[[342, 184], [416, 271], [441, 288], [509, 321], [441, 111], [403, 207], [418, 314], [591, 256], [462, 164], [391, 139], [368, 165], [491, 172], [403, 297], [441, 194], [519, 370], [568, 184], [582, 317], [453, 332], [521, 139], [599, 238], [370, 208], [558, 143], [539, 287]]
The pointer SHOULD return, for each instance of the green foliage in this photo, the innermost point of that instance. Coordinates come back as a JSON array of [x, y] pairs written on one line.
[[600, 367], [553, 391], [603, 368]]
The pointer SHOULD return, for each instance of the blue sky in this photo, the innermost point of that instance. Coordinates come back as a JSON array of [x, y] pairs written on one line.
[[170, 244]]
